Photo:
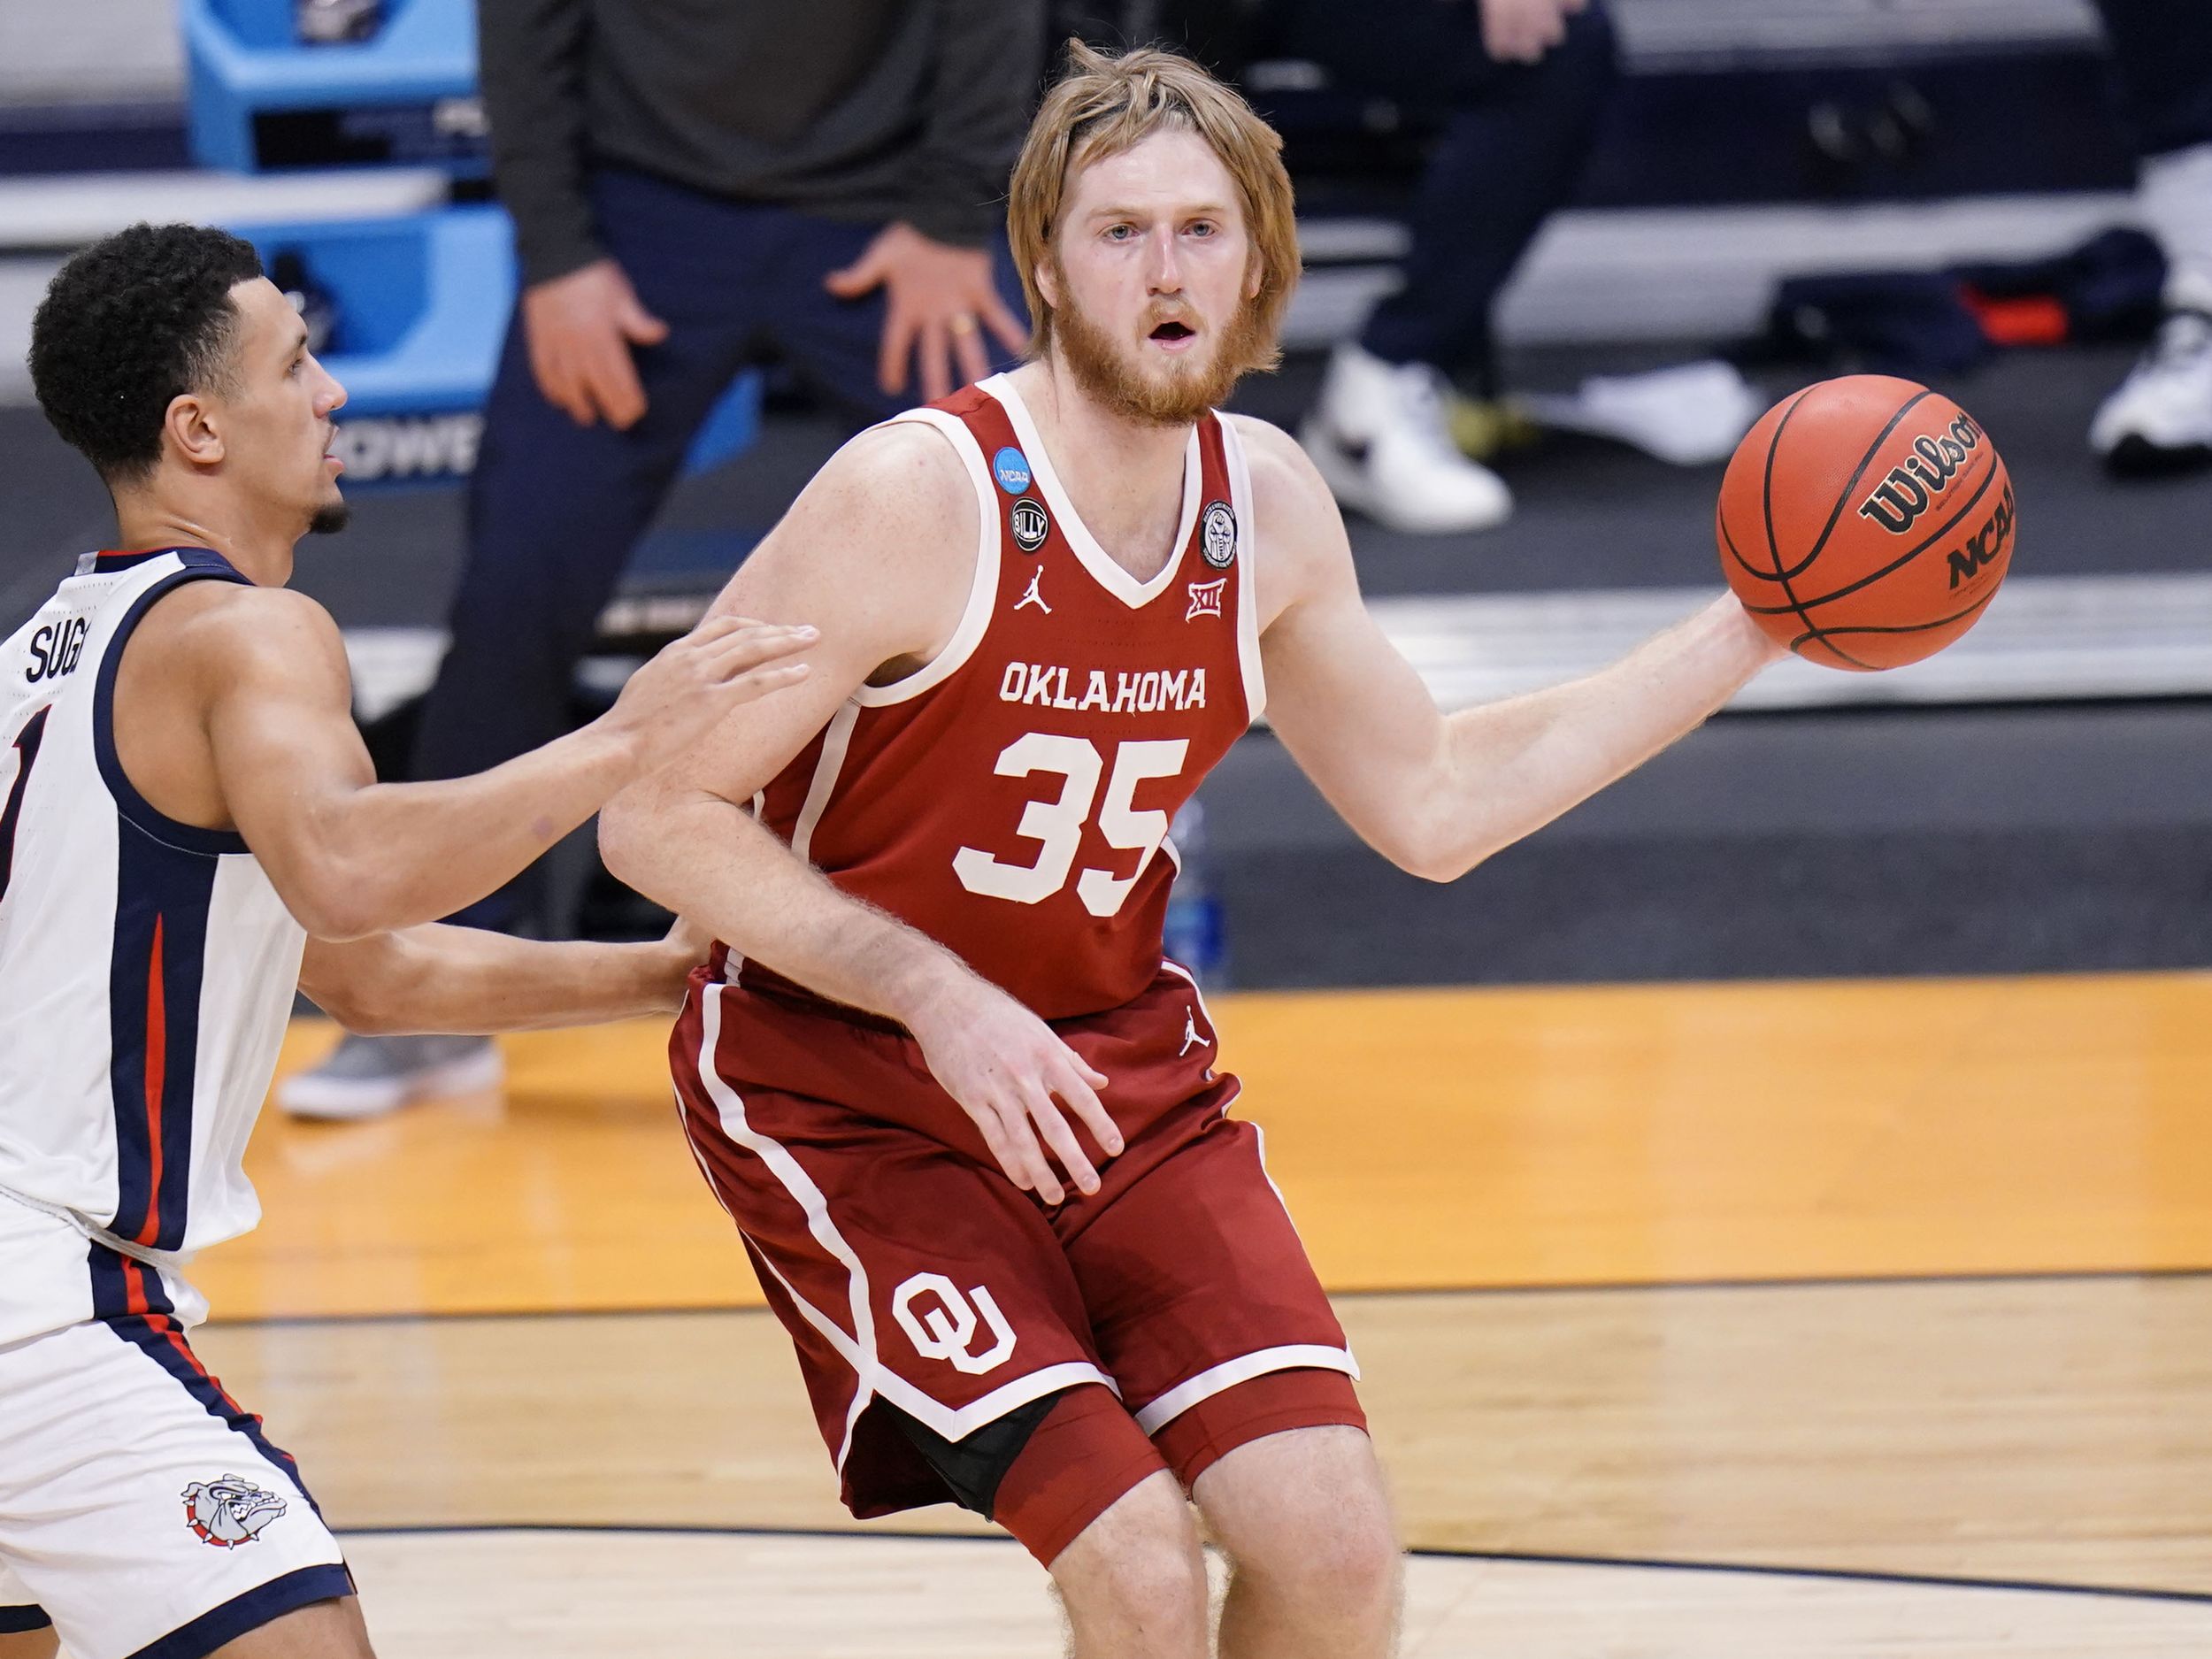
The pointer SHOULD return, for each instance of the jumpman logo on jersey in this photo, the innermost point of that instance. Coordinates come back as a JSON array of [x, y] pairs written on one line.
[[1191, 1039], [1035, 595]]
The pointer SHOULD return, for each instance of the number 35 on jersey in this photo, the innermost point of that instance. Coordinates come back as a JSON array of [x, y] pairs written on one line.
[[1057, 826]]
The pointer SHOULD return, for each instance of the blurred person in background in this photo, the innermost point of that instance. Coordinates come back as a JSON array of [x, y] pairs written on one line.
[[693, 188], [1522, 84], [2159, 419]]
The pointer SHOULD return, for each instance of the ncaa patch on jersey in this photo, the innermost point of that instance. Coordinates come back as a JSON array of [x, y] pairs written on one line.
[[1031, 523], [1010, 467], [1217, 535]]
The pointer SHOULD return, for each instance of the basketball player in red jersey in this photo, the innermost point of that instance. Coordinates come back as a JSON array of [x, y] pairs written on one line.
[[972, 1127]]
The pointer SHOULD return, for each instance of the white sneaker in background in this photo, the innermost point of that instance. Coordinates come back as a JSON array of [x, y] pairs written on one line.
[[366, 1077], [2160, 420], [1378, 434], [1691, 414]]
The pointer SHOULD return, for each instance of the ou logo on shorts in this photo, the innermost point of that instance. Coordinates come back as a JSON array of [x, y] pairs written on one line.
[[947, 1330]]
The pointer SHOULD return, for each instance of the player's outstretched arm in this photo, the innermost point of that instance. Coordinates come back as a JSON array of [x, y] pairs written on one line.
[[470, 982], [878, 551], [1437, 794], [274, 753]]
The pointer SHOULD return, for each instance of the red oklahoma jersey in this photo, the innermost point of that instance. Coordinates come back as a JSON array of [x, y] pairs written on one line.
[[1011, 799]]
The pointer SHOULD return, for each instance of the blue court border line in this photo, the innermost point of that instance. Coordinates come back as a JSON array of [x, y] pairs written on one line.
[[1566, 1288], [1760, 1569]]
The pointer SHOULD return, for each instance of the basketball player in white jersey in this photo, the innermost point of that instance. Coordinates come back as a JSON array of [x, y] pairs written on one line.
[[1151, 220], [189, 829]]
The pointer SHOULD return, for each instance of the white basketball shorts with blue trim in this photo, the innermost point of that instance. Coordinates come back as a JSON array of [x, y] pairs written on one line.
[[141, 1512]]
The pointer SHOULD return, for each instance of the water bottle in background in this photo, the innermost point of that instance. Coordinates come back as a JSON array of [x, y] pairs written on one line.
[[287, 269], [336, 22], [1196, 934]]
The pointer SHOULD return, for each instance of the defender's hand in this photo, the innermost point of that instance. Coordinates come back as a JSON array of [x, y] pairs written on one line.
[[680, 949], [682, 694], [1005, 1067], [580, 327], [939, 298]]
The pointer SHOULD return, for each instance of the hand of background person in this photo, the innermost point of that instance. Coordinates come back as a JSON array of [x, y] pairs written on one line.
[[1522, 31], [1012, 1075], [580, 327], [940, 299]]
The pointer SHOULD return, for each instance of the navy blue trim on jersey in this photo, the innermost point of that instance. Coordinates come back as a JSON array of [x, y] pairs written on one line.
[[147, 1322], [162, 897], [261, 1605], [15, 1620], [199, 566], [105, 564]]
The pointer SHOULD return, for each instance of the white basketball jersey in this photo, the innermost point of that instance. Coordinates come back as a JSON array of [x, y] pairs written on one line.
[[147, 967]]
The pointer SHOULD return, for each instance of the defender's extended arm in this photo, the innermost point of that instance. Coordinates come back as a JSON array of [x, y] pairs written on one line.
[[279, 757], [469, 981]]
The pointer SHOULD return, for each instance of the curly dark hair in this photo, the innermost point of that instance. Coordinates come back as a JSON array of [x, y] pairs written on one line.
[[129, 324]]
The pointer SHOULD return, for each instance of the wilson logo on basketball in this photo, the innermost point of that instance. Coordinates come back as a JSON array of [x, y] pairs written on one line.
[[1985, 546], [1899, 499]]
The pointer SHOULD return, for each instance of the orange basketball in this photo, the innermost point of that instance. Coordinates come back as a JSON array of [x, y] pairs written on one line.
[[1865, 522]]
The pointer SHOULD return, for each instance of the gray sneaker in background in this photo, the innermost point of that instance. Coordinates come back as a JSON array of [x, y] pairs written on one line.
[[367, 1076]]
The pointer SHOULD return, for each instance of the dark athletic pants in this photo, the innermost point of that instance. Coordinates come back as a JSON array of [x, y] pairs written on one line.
[[555, 509], [2163, 49], [1514, 141]]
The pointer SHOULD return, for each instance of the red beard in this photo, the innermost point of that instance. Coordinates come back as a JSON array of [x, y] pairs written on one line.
[[1175, 399]]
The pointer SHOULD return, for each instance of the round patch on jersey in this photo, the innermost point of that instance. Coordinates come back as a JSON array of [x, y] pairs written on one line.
[[1031, 523], [1217, 535], [1010, 467]]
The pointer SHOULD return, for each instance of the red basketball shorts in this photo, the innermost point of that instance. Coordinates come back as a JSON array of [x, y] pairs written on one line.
[[912, 1273]]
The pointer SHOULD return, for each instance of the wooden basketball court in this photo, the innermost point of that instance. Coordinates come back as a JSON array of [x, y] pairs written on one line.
[[1817, 1319]]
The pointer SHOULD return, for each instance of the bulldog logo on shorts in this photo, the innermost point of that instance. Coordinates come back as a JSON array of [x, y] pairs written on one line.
[[229, 1512]]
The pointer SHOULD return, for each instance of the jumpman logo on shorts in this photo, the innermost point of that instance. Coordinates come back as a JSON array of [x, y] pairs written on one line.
[[1191, 1039], [1035, 595]]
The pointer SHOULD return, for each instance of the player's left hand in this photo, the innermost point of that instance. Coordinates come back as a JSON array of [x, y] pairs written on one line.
[[1015, 1078], [938, 300]]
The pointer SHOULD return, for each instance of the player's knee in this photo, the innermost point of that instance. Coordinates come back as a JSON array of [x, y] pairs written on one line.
[[1339, 1565], [1157, 1577], [1351, 1571], [1140, 1565], [1329, 1544]]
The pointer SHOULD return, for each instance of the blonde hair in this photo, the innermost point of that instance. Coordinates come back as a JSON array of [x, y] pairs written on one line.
[[1104, 106]]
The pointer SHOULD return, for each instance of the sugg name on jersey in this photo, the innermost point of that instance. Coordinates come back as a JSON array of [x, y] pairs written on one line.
[[1052, 687]]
